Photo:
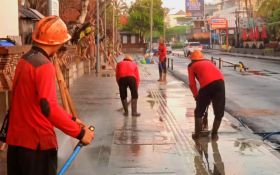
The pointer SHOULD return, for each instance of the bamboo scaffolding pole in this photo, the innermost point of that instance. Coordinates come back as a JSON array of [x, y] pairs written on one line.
[[64, 90], [61, 85]]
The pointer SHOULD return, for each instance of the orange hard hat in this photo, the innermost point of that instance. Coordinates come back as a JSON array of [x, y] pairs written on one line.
[[128, 57], [196, 55], [50, 30]]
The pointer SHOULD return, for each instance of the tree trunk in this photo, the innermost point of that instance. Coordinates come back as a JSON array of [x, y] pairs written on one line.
[[40, 5], [84, 11]]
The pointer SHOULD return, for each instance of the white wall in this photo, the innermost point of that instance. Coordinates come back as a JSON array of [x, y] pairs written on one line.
[[229, 14], [53, 7], [171, 20], [9, 18]]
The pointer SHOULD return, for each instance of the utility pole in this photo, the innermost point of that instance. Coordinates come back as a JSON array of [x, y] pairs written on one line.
[[97, 42], [151, 25], [113, 34], [105, 29], [164, 26], [238, 25], [210, 43]]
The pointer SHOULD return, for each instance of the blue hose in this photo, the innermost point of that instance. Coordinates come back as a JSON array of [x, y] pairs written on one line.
[[70, 159], [270, 134], [72, 156]]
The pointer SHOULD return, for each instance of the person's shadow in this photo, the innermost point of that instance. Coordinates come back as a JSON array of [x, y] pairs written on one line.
[[202, 163]]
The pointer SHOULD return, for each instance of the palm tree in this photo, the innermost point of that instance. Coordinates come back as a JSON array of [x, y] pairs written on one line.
[[270, 10], [122, 8], [267, 7]]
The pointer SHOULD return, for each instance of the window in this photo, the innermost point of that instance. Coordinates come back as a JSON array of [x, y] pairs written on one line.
[[124, 39], [133, 39]]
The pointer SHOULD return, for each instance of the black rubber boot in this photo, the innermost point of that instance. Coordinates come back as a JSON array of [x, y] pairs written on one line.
[[160, 77], [134, 108], [125, 107], [215, 128], [197, 128], [205, 124]]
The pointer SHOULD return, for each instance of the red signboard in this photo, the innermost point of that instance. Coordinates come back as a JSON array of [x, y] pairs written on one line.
[[218, 23]]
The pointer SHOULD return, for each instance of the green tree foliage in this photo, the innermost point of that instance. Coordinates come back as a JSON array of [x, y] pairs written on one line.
[[274, 24], [270, 11], [267, 8], [176, 32], [139, 17], [120, 8]]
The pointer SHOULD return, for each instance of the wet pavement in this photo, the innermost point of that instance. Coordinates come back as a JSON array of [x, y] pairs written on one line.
[[252, 96], [159, 142]]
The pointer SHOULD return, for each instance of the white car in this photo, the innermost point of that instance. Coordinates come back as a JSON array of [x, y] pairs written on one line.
[[192, 46]]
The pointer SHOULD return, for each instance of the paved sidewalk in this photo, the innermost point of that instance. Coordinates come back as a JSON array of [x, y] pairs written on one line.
[[159, 142]]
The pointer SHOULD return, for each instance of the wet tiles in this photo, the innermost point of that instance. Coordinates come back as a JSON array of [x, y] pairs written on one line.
[[136, 137], [226, 151]]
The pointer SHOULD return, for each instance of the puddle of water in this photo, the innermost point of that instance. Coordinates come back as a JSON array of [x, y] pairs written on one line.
[[149, 94], [260, 73], [235, 127], [229, 157], [134, 137], [247, 146], [152, 103], [271, 72], [208, 161]]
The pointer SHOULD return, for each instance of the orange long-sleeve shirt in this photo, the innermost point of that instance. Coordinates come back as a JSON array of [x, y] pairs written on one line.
[[205, 72]]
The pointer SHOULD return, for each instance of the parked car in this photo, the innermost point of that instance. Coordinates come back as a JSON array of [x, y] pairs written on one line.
[[168, 48], [190, 47], [205, 46]]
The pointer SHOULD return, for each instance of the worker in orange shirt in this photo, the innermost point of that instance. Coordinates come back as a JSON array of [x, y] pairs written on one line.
[[162, 54], [212, 89], [127, 76], [35, 111]]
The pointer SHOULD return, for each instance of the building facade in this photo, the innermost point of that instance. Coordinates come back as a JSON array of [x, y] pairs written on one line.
[[9, 18], [177, 19]]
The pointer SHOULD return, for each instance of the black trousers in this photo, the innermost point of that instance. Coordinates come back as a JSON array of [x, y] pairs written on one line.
[[128, 82], [215, 93], [162, 67], [23, 161]]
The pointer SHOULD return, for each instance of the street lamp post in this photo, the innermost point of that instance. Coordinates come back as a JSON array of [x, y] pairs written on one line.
[[105, 29], [97, 38], [151, 25], [113, 34]]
